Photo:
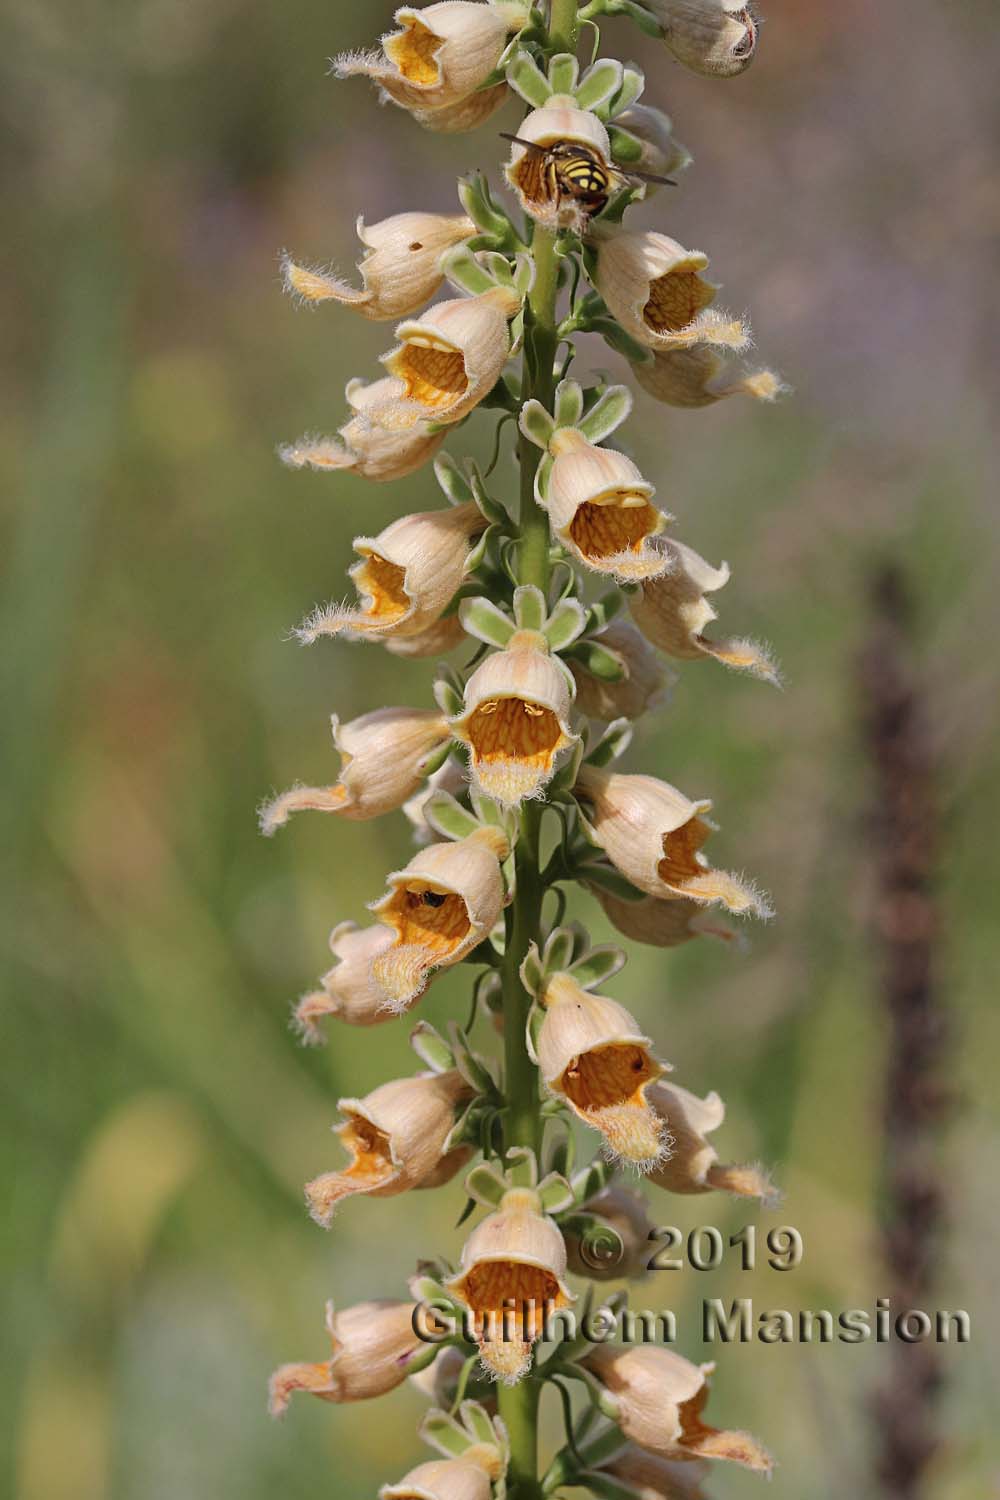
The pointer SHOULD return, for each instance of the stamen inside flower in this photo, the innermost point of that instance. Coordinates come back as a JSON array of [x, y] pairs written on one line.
[[433, 373], [675, 300], [414, 51], [384, 583], [617, 524], [434, 920]]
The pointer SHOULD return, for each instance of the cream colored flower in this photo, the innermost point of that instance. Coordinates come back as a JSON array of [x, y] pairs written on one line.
[[395, 1137], [515, 719], [660, 1397], [558, 122], [664, 923], [654, 835], [441, 1479], [693, 1165], [373, 1343], [384, 757], [348, 992], [627, 1213], [511, 1274], [662, 152], [697, 377], [716, 37], [599, 509], [446, 361], [468, 114], [673, 612], [592, 1054], [406, 576], [400, 271], [436, 639], [645, 686], [655, 1478], [360, 448], [655, 289], [440, 55], [445, 902]]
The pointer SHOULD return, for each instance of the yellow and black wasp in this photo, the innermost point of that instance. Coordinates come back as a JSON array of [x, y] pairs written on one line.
[[577, 172]]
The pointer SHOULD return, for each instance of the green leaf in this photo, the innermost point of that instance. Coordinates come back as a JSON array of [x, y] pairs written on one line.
[[569, 403], [607, 878], [555, 1193], [558, 950], [533, 1030], [606, 1488], [468, 1064], [591, 1179], [448, 697], [529, 607], [486, 621], [452, 480], [474, 194], [442, 1432], [477, 1422], [644, 19], [621, 341], [598, 966], [431, 1047], [564, 70], [486, 1184], [528, 80], [532, 971], [464, 271], [609, 412], [612, 744], [566, 622], [436, 760], [600, 661], [626, 148], [632, 85], [599, 84], [448, 817], [536, 423], [604, 610], [542, 475]]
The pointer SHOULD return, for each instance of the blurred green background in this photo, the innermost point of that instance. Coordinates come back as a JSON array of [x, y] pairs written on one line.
[[159, 1117]]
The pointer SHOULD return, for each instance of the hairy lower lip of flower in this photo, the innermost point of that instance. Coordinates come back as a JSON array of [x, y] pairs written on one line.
[[606, 529], [675, 300], [607, 1076], [505, 728]]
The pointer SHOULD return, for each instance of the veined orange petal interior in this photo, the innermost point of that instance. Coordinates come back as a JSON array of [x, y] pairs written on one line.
[[434, 376], [675, 300], [414, 53], [384, 582], [602, 531], [434, 920], [511, 729], [607, 1076], [680, 862]]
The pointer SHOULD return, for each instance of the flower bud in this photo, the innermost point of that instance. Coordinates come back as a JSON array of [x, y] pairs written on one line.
[[660, 1397], [440, 55], [530, 173], [406, 577], [373, 1343], [664, 923], [512, 1272], [445, 902], [646, 684], [672, 612], [396, 1139], [697, 376], [627, 1213], [516, 720], [384, 756], [662, 152], [714, 37], [654, 835], [446, 361], [655, 1478], [655, 289], [400, 271], [348, 992], [592, 1054], [441, 1479], [694, 1166], [360, 448], [599, 509]]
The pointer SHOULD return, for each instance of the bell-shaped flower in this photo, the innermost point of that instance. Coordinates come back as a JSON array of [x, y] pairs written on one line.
[[466, 114], [628, 1215], [515, 719], [660, 1396], [373, 1345], [693, 1165], [664, 923], [511, 1275], [348, 992], [447, 361], [441, 1479], [406, 576], [363, 449], [654, 835], [592, 1054], [672, 612], [396, 1138], [699, 376], [440, 55], [661, 152], [436, 639], [531, 172], [656, 291], [400, 271], [714, 37], [645, 685], [599, 509], [383, 761], [653, 1478], [444, 903]]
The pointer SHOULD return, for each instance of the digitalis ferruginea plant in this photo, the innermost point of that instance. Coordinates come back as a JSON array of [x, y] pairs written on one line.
[[559, 616]]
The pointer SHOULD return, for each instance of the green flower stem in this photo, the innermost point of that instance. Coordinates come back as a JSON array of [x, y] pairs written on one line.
[[519, 1404]]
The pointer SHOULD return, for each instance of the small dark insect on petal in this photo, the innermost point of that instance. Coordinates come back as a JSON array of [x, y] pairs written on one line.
[[433, 898]]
